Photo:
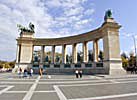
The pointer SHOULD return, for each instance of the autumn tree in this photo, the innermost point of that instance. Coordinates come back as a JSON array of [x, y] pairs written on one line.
[[132, 61]]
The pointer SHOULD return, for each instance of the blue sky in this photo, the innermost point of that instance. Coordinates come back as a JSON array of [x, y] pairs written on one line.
[[57, 18]]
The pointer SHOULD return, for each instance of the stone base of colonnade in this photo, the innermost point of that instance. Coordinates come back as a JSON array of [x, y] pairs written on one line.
[[70, 69], [114, 67]]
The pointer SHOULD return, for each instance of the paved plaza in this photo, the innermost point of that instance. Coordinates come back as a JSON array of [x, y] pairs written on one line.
[[67, 87]]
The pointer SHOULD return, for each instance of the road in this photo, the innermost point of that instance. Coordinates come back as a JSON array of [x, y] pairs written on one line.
[[67, 87]]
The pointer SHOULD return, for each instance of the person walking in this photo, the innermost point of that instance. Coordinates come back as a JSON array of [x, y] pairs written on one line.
[[76, 72], [25, 72], [19, 72], [40, 72], [80, 73], [31, 72]]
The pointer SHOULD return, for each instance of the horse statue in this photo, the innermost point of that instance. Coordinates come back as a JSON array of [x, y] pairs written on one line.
[[31, 26], [25, 29]]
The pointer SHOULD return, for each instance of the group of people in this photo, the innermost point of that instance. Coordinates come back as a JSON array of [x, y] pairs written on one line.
[[78, 73], [28, 72], [25, 72], [132, 69]]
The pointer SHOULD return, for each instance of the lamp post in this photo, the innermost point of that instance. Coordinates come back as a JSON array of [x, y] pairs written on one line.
[[135, 49]]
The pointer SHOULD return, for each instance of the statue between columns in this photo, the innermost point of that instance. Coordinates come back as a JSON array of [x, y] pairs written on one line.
[[25, 29]]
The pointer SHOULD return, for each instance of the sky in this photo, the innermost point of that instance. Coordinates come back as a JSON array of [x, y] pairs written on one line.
[[60, 18]]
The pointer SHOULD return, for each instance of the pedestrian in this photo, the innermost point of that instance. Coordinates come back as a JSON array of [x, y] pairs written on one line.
[[76, 72], [19, 72], [40, 72], [80, 73], [25, 72], [31, 72]]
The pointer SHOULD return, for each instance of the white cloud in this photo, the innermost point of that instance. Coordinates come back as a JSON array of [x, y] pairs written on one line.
[[53, 3], [70, 20], [73, 11], [89, 11]]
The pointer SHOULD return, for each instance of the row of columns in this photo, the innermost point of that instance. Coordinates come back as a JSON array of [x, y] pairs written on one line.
[[74, 52]]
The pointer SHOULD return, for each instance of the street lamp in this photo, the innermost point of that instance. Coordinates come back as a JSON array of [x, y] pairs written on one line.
[[135, 48]]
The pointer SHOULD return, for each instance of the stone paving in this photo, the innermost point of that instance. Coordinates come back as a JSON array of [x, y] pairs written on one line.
[[67, 87]]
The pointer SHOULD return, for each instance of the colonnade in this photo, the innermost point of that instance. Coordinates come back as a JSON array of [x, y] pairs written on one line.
[[74, 52], [109, 32]]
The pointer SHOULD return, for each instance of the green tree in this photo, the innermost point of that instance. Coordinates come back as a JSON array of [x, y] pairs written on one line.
[[1, 65], [6, 65], [124, 55], [132, 60], [124, 62], [12, 64]]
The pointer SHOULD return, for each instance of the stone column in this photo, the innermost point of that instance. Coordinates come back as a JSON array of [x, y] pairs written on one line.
[[112, 58], [85, 52], [42, 55], [74, 53], [53, 54], [24, 50], [95, 50], [64, 53], [17, 54], [32, 53]]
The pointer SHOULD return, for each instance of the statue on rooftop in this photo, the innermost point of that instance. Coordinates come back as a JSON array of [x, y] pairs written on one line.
[[108, 14], [31, 26], [25, 29]]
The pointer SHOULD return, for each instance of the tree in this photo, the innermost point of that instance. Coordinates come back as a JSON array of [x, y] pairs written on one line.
[[1, 65], [124, 62], [12, 64], [6, 65], [124, 55], [132, 60]]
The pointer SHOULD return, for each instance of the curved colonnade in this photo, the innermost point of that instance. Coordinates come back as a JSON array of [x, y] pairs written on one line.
[[109, 32]]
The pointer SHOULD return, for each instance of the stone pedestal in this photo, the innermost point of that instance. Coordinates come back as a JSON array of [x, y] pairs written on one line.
[[24, 50], [112, 58]]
